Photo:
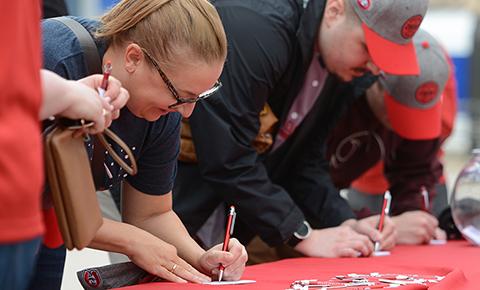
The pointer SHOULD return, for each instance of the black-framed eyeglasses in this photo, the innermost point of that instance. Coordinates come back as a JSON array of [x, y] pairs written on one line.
[[172, 89]]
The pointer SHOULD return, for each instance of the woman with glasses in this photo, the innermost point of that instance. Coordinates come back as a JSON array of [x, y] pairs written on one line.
[[168, 54]]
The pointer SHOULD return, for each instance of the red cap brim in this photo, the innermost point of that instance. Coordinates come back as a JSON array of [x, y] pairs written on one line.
[[414, 123], [391, 57]]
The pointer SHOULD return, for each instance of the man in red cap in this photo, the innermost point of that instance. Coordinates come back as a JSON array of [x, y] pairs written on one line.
[[253, 145], [396, 131], [388, 29]]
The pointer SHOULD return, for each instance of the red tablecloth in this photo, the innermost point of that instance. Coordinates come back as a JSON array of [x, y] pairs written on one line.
[[458, 261]]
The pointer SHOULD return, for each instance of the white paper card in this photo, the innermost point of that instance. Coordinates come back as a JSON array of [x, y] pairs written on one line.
[[381, 253], [438, 242], [239, 282]]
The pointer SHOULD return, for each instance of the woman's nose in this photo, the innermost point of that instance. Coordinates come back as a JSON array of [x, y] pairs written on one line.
[[186, 109]]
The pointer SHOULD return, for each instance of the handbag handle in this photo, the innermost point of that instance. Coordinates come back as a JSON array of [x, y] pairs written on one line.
[[93, 61], [130, 169]]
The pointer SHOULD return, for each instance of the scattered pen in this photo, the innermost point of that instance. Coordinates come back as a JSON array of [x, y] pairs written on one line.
[[387, 199], [228, 232]]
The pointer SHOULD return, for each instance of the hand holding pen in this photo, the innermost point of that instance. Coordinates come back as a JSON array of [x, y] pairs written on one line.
[[83, 101], [112, 91], [439, 237], [228, 258]]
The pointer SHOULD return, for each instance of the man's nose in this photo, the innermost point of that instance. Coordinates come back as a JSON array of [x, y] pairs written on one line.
[[374, 69]]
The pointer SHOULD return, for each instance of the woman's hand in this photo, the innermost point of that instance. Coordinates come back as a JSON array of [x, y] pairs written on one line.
[[234, 260], [160, 258], [115, 95]]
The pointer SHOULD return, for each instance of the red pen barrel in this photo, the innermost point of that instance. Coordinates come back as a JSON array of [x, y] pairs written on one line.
[[382, 216], [107, 70], [226, 240], [385, 210]]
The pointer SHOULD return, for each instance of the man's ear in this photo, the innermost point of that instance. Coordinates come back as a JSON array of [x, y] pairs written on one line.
[[133, 57], [333, 10]]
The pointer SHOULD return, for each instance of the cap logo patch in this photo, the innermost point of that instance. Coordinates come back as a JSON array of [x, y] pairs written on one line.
[[426, 92], [364, 4], [92, 278], [411, 26]]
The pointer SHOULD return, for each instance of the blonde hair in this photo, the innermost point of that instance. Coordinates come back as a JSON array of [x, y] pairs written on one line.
[[164, 26]]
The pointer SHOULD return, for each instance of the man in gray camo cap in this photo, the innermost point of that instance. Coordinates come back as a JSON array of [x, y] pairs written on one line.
[[404, 120]]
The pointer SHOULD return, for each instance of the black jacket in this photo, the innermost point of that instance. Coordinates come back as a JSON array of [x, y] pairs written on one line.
[[271, 45]]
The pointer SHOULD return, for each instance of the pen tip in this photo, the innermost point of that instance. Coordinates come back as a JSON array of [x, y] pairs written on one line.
[[377, 247]]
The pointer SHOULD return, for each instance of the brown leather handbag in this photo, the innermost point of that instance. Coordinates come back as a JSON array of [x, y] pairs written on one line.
[[71, 182]]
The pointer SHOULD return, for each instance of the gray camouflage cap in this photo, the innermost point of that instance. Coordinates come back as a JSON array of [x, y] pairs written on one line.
[[389, 26], [414, 103]]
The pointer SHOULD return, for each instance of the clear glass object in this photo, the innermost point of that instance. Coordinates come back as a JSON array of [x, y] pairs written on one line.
[[465, 200]]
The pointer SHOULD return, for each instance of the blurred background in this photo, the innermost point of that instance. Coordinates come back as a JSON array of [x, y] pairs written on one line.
[[455, 23]]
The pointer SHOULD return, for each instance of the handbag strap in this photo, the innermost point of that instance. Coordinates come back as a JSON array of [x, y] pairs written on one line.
[[130, 169], [94, 65], [89, 48]]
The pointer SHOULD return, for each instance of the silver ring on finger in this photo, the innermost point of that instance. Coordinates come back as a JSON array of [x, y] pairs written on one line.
[[173, 268]]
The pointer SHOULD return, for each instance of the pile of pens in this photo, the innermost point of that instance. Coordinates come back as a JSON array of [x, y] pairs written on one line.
[[373, 280]]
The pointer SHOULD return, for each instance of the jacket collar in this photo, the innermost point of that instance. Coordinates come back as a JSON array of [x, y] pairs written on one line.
[[308, 29]]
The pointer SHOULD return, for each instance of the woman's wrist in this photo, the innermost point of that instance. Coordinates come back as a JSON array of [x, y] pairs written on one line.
[[194, 258], [134, 238]]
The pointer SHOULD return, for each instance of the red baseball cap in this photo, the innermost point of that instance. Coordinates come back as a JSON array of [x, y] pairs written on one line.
[[389, 26], [414, 103], [414, 123]]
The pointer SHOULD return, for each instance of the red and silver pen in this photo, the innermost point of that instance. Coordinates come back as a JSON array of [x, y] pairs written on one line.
[[387, 199], [228, 232], [426, 199], [107, 70]]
